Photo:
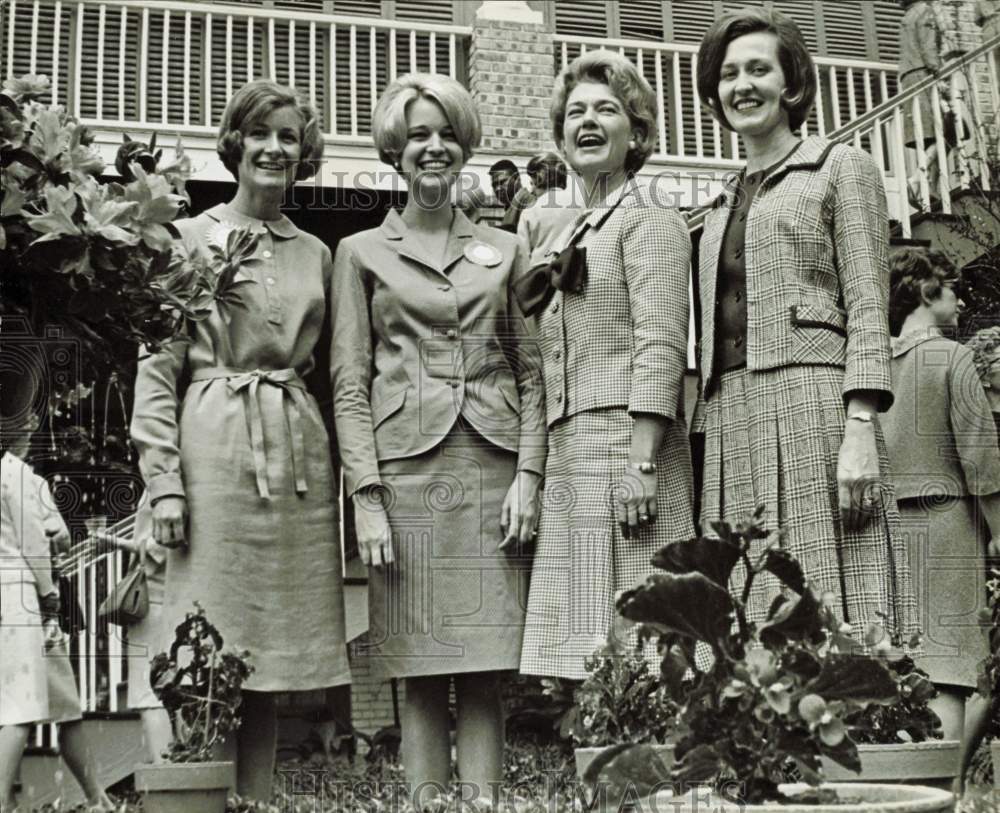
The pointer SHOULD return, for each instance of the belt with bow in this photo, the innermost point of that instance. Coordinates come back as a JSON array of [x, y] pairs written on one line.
[[248, 383]]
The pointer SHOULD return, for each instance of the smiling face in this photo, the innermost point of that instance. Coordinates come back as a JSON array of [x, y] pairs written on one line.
[[751, 84], [596, 130], [272, 147], [432, 156]]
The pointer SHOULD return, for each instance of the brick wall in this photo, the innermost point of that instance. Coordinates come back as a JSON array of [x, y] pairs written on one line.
[[371, 697], [510, 76]]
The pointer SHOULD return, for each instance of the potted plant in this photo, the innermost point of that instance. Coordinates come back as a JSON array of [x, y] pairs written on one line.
[[758, 703], [200, 686], [621, 701], [901, 742]]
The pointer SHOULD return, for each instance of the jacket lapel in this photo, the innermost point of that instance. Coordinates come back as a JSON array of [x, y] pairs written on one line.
[[408, 246]]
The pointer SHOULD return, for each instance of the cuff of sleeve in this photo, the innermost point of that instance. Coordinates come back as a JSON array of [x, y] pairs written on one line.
[[353, 483], [659, 407], [168, 484], [883, 397], [534, 463]]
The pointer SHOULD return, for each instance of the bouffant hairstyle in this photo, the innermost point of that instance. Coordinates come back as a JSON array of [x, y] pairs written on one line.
[[624, 80], [984, 345], [795, 59], [916, 275], [547, 171], [254, 102], [389, 119]]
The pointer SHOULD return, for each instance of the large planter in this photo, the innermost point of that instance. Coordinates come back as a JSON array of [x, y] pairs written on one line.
[[855, 797], [935, 762], [584, 756], [185, 787]]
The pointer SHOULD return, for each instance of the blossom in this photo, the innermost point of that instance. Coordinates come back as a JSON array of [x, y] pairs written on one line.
[[27, 87], [11, 130]]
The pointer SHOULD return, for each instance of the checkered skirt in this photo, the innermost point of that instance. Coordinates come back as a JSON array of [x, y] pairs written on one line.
[[773, 437], [582, 561]]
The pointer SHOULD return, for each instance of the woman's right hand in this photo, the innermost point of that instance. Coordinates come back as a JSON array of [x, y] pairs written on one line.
[[169, 520], [371, 526]]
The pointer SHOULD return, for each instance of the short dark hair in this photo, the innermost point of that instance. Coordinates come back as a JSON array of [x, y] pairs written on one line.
[[623, 78], [504, 165], [547, 170], [254, 102], [796, 61], [915, 275]]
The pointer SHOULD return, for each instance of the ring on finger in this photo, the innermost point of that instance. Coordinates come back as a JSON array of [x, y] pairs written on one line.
[[643, 517]]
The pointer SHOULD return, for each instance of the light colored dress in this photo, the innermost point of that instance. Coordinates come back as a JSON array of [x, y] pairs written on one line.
[[227, 422], [943, 447], [25, 574]]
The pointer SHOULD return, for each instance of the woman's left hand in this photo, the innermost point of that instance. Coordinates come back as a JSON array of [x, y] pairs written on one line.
[[858, 479], [519, 514], [635, 501]]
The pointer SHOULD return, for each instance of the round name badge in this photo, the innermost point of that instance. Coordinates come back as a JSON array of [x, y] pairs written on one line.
[[483, 254]]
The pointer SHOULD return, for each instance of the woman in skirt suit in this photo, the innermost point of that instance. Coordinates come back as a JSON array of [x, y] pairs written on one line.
[[438, 406], [794, 345], [232, 445], [613, 330], [943, 446]]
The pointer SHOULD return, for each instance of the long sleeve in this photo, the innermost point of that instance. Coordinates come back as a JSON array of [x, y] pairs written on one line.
[[861, 240], [526, 359], [972, 426], [154, 427], [351, 357], [656, 251]]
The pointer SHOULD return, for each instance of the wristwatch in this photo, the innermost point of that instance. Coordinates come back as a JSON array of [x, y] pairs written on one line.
[[643, 466]]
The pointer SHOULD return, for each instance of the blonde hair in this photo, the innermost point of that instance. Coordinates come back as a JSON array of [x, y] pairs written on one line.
[[389, 119]]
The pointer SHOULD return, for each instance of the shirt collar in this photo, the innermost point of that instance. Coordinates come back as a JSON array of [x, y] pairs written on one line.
[[395, 228], [461, 229], [282, 227], [910, 339]]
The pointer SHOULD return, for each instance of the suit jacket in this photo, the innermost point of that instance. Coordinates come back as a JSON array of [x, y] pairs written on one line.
[[622, 340], [817, 242], [417, 342]]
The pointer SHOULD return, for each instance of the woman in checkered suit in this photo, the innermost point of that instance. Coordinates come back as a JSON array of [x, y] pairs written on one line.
[[794, 346], [613, 319]]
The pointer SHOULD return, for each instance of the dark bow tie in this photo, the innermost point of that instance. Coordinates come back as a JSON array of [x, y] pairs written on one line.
[[567, 272]]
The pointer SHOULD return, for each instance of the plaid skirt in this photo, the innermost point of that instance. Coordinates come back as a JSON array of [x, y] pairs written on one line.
[[582, 562], [773, 437]]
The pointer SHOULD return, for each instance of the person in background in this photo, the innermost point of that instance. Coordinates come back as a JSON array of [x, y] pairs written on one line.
[[613, 332], [440, 423], [943, 445], [795, 357], [509, 192], [554, 208], [232, 444], [985, 347]]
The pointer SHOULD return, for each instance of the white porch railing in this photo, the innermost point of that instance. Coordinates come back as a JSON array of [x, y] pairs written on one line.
[[123, 63], [688, 133]]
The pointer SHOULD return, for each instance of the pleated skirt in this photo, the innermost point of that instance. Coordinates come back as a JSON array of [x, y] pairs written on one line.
[[451, 602], [582, 561], [773, 438]]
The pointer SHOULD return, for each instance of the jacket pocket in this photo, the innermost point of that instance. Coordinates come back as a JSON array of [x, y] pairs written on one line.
[[386, 407], [819, 316]]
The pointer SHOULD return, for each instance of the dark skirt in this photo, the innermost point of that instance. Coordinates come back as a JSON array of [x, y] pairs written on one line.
[[451, 602]]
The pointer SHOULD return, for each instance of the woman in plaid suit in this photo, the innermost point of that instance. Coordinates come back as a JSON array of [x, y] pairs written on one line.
[[794, 346], [613, 336]]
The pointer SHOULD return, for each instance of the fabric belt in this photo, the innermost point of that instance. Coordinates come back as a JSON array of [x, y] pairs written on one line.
[[248, 383]]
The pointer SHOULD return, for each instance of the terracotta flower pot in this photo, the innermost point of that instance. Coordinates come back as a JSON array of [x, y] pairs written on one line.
[[185, 787], [934, 762], [857, 797], [584, 756]]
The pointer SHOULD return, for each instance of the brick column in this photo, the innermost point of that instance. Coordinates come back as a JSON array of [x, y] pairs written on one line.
[[511, 77]]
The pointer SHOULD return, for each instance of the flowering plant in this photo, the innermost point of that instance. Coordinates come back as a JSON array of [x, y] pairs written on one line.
[[94, 259], [754, 699], [200, 687]]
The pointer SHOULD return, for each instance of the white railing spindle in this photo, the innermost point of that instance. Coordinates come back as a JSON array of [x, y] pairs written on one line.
[[678, 104], [122, 40], [413, 51], [312, 64], [852, 104], [918, 136], [74, 104], [36, 11], [699, 141], [143, 64], [333, 78], [291, 53], [353, 53], [834, 97], [249, 49], [372, 69], [452, 69], [11, 23], [943, 180], [56, 37], [187, 69], [898, 160], [207, 71], [661, 124], [392, 55], [101, 19], [165, 69], [229, 62], [432, 51], [272, 61]]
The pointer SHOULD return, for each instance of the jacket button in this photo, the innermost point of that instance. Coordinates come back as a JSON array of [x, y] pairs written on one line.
[[555, 308], [559, 396], [738, 296], [557, 355], [444, 287], [266, 254], [738, 253], [454, 384], [738, 341], [452, 333]]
